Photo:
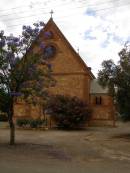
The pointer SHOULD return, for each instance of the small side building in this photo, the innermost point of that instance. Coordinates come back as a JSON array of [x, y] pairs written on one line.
[[102, 105]]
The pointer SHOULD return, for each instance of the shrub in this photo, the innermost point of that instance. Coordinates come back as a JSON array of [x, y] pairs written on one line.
[[3, 117], [33, 123], [36, 123], [22, 122], [68, 112]]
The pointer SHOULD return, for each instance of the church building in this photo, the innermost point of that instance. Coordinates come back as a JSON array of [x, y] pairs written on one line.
[[73, 77]]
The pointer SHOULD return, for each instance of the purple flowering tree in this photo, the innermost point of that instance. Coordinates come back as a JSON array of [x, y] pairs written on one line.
[[22, 73]]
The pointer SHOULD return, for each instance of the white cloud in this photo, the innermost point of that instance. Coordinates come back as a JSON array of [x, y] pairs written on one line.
[[99, 33]]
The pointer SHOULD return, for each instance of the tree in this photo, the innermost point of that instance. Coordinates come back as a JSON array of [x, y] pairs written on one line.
[[23, 73], [117, 76], [68, 112], [4, 100]]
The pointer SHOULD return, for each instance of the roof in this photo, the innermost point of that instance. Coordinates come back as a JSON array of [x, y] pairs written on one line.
[[77, 56], [96, 88]]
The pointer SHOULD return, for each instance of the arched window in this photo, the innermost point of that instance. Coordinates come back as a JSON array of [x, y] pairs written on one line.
[[49, 52], [98, 100]]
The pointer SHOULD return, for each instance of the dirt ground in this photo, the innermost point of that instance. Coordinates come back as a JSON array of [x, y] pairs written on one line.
[[94, 150]]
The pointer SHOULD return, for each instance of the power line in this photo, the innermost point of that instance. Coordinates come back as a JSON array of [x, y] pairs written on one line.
[[23, 17], [70, 14], [17, 7], [62, 4], [103, 9], [29, 6], [17, 18], [92, 10], [31, 14]]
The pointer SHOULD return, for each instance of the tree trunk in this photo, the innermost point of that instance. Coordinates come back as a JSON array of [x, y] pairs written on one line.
[[11, 124], [12, 133]]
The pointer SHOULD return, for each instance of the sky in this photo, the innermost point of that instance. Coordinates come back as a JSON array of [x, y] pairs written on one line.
[[97, 29]]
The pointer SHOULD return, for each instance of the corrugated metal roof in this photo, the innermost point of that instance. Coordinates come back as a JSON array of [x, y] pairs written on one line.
[[95, 88]]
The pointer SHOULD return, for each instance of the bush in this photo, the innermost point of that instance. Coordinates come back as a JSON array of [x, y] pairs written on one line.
[[22, 122], [68, 112], [3, 117], [37, 123], [33, 123]]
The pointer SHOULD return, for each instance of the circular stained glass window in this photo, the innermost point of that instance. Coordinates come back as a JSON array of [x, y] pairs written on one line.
[[49, 52]]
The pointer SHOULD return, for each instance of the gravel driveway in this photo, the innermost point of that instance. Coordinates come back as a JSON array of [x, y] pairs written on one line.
[[94, 150]]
